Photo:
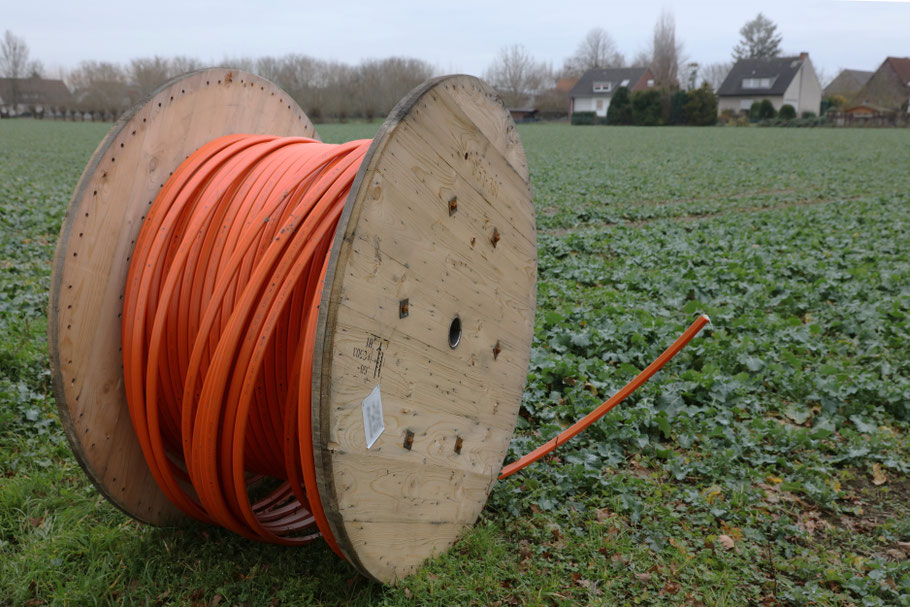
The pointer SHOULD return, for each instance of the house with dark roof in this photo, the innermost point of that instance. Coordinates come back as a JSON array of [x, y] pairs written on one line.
[[593, 91], [888, 90], [34, 96], [847, 83], [781, 80]]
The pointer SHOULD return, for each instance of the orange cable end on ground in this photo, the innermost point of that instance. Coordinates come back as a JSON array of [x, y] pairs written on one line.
[[617, 398]]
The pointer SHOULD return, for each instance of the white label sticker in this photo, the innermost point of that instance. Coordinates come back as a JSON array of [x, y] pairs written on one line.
[[372, 417]]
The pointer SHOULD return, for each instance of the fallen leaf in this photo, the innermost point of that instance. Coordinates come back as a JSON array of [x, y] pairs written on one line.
[[734, 532], [524, 547], [215, 600], [726, 541], [776, 480], [603, 514], [904, 547], [878, 475], [895, 555], [643, 577], [712, 493], [407, 593], [671, 587], [36, 521]]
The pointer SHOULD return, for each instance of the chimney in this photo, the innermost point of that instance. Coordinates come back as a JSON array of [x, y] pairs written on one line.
[[803, 56]]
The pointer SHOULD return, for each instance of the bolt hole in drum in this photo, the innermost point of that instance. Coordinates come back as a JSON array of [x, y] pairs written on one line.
[[455, 333]]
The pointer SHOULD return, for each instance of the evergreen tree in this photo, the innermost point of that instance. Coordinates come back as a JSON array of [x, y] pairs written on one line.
[[620, 109], [759, 39], [701, 107], [647, 107]]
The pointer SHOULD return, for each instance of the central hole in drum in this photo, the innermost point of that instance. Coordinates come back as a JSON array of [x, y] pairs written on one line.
[[455, 332]]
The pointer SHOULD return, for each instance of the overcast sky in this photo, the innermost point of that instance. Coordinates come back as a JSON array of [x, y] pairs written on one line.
[[455, 37]]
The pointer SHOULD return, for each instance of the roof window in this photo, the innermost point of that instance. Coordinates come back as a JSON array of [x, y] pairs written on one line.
[[757, 83]]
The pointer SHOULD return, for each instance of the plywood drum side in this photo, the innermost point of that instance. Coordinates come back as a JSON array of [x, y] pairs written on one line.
[[440, 215], [93, 252]]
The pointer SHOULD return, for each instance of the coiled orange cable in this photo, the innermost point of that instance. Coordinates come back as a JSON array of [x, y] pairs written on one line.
[[219, 319], [219, 322]]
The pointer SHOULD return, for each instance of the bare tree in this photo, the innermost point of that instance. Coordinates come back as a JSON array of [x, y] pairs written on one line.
[[516, 75], [396, 76], [270, 68], [35, 69], [247, 64], [182, 64], [100, 88], [715, 74], [148, 73], [666, 52], [306, 80], [14, 63], [13, 56], [597, 50], [759, 39], [824, 76], [641, 59]]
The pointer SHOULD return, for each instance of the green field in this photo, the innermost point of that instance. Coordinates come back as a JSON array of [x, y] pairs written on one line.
[[766, 465]]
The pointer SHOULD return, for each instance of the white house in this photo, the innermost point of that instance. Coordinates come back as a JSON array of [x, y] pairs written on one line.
[[782, 80], [593, 91]]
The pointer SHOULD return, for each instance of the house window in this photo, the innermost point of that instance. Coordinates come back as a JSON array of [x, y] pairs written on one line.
[[603, 87], [600, 104], [650, 83], [745, 104], [624, 82], [757, 83]]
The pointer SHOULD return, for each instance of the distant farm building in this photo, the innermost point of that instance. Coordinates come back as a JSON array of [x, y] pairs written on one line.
[[33, 97], [781, 80], [887, 90], [847, 83], [593, 91], [523, 114]]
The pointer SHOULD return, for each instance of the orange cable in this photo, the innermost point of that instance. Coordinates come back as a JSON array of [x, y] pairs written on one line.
[[600, 411], [219, 319]]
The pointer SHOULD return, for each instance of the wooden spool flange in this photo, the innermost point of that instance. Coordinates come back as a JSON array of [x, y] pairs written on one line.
[[429, 296]]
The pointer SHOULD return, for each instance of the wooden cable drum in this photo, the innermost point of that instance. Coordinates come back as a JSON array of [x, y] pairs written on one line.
[[426, 316]]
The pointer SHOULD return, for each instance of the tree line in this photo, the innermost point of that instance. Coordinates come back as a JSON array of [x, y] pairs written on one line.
[[325, 89], [333, 90]]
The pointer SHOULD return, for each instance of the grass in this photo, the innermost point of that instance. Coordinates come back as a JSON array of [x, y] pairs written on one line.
[[767, 465]]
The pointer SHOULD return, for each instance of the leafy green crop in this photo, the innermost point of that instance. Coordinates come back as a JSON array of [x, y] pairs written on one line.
[[767, 464]]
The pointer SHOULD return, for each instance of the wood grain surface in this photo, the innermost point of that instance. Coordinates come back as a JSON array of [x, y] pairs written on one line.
[[412, 493]]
